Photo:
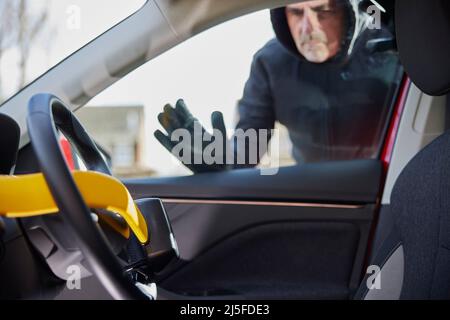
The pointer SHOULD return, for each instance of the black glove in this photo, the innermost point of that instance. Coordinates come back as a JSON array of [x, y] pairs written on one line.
[[198, 159]]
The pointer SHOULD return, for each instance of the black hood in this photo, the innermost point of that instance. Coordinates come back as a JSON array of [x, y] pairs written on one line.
[[283, 34], [281, 29]]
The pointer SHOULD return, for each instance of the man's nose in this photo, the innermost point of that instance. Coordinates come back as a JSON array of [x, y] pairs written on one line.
[[310, 21]]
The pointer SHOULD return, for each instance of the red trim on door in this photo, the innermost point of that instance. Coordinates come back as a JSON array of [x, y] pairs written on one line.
[[67, 151], [389, 141], [386, 156]]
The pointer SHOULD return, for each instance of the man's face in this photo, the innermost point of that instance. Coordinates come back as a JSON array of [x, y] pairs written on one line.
[[317, 28]]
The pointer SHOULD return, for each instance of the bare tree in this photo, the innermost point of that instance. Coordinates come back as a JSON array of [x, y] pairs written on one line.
[[29, 27], [20, 27], [7, 32]]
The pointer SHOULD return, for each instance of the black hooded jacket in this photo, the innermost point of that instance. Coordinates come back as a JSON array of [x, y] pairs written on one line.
[[333, 111]]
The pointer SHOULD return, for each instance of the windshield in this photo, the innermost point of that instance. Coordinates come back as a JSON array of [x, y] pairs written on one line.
[[37, 34]]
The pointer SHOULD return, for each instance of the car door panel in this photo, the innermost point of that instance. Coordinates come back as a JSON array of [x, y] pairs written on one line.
[[272, 244], [299, 234]]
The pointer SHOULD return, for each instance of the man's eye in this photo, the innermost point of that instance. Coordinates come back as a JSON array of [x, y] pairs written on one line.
[[325, 13], [297, 13]]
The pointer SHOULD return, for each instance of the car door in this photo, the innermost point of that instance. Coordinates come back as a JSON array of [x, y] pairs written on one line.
[[302, 232]]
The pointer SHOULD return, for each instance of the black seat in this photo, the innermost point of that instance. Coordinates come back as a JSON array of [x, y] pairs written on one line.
[[415, 258], [9, 143]]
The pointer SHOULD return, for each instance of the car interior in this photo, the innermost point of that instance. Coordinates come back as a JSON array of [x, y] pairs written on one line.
[[312, 231]]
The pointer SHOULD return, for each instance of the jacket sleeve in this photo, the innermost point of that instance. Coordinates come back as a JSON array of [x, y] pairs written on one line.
[[256, 111]]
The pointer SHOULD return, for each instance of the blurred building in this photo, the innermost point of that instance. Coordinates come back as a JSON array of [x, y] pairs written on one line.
[[119, 130]]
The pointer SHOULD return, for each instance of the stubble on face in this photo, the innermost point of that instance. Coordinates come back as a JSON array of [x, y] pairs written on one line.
[[316, 28]]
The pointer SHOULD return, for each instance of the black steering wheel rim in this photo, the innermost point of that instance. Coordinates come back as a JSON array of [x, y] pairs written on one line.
[[46, 113]]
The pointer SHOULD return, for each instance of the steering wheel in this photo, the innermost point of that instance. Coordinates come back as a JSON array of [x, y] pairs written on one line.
[[46, 114]]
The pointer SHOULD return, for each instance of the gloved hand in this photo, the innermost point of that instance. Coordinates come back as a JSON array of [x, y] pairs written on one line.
[[199, 149]]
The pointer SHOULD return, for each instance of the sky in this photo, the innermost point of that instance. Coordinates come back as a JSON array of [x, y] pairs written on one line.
[[208, 71], [63, 32]]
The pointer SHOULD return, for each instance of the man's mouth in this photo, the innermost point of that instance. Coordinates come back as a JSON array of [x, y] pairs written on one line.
[[313, 43], [313, 46], [314, 51]]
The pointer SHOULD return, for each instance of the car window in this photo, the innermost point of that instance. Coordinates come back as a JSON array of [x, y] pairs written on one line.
[[290, 110], [36, 34]]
